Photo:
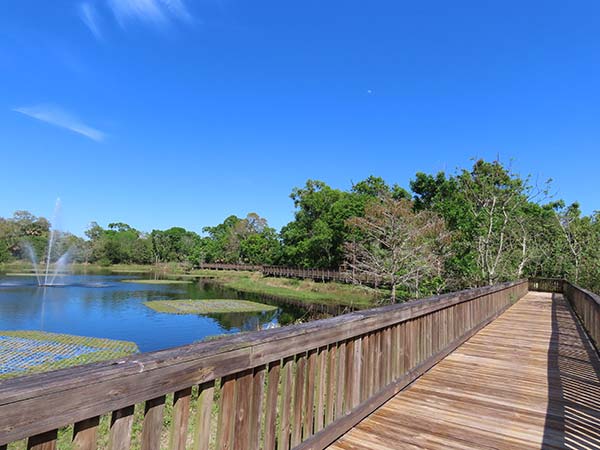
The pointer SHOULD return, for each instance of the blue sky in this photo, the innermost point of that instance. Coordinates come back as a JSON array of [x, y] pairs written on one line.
[[177, 112]]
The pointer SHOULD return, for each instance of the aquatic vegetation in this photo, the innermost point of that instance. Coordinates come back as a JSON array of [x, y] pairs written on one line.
[[24, 352], [212, 306], [141, 281]]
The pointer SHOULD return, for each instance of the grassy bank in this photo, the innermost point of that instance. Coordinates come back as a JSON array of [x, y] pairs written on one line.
[[307, 291]]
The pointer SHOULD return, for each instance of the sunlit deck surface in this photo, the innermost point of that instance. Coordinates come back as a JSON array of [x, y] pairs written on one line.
[[530, 379]]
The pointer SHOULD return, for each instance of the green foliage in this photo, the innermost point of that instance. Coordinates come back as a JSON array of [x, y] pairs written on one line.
[[174, 244], [316, 236], [501, 227], [23, 230], [236, 240]]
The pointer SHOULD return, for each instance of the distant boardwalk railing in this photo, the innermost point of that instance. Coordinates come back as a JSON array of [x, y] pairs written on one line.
[[295, 272], [300, 387]]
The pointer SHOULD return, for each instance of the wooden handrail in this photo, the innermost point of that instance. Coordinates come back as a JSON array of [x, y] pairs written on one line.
[[586, 305], [546, 284], [334, 371]]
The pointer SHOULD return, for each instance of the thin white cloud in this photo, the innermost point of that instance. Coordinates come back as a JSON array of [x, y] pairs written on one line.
[[89, 15], [57, 117], [156, 11]]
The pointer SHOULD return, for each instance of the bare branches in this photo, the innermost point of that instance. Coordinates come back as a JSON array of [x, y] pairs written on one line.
[[395, 245]]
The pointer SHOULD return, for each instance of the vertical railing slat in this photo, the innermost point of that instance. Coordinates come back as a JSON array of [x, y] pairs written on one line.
[[321, 389], [356, 369], [309, 395], [181, 418], [256, 407], [341, 380], [364, 376], [204, 405], [226, 420], [349, 376], [242, 410], [85, 434], [153, 423], [330, 401], [285, 402], [271, 406], [120, 428], [299, 405], [43, 441]]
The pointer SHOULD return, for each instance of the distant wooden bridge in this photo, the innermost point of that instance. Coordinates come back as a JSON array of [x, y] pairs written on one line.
[[507, 366], [340, 275]]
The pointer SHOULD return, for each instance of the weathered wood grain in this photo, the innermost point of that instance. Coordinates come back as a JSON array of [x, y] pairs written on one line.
[[226, 419], [181, 417], [321, 388], [331, 387], [256, 407], [153, 423], [341, 380], [243, 404], [529, 380], [85, 434], [285, 402], [87, 391], [270, 438], [120, 428], [43, 441], [299, 388], [309, 395], [206, 392]]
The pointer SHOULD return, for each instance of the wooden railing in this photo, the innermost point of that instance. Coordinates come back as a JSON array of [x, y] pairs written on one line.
[[297, 272], [546, 284], [283, 271], [294, 272], [222, 266], [298, 387], [586, 305]]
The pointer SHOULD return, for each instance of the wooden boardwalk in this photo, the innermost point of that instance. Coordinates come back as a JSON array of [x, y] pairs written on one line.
[[530, 379]]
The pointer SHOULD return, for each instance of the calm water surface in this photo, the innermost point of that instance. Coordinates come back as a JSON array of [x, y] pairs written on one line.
[[106, 307]]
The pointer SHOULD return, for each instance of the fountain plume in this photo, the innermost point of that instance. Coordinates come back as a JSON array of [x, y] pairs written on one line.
[[33, 258], [45, 277]]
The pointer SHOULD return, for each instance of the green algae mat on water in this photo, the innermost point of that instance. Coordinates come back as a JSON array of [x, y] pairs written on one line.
[[212, 306], [142, 281], [25, 352]]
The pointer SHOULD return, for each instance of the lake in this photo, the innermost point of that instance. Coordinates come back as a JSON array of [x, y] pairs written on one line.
[[104, 306]]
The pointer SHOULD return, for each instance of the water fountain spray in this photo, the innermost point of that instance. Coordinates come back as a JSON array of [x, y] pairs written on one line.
[[45, 277]]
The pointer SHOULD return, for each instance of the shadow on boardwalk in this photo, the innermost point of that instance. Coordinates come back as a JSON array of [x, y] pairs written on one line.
[[573, 413]]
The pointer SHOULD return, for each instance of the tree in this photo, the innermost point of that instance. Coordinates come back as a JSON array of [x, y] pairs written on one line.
[[316, 236], [396, 245], [581, 238], [249, 240], [490, 211], [23, 230]]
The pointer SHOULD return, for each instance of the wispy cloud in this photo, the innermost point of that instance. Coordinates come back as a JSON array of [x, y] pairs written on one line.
[[159, 12], [60, 118], [89, 15]]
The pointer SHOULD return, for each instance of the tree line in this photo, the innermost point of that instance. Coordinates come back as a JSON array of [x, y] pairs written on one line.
[[480, 225]]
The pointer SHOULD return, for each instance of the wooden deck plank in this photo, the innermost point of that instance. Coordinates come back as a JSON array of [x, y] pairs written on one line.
[[528, 380]]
